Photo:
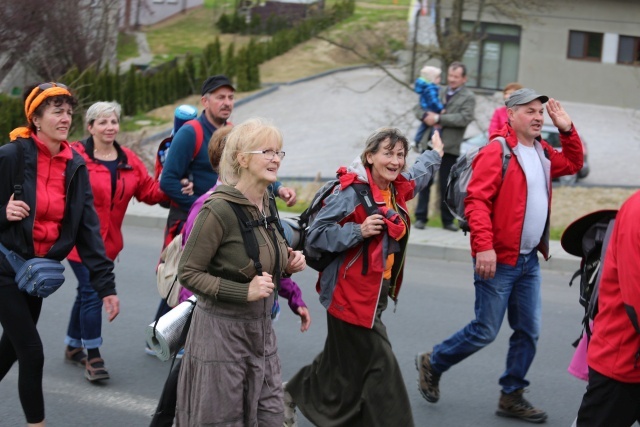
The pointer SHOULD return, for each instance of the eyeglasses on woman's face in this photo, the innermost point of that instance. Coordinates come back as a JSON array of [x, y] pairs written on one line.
[[268, 154]]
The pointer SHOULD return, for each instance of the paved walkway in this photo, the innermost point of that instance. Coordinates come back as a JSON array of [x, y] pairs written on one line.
[[144, 57], [432, 243]]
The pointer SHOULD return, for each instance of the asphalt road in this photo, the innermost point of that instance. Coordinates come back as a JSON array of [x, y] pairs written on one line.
[[326, 120], [436, 300]]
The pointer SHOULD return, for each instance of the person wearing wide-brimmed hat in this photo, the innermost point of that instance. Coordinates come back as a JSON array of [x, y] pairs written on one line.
[[613, 394], [509, 220], [53, 213]]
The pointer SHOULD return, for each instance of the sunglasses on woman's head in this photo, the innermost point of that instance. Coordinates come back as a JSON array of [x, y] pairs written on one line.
[[49, 85]]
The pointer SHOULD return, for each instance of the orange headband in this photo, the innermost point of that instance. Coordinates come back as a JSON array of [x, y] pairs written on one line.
[[34, 99], [32, 102]]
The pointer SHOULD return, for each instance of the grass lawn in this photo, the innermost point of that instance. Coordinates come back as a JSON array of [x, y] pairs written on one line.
[[192, 31], [127, 46]]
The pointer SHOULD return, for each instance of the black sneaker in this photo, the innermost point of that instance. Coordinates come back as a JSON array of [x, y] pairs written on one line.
[[428, 380], [513, 405], [420, 224]]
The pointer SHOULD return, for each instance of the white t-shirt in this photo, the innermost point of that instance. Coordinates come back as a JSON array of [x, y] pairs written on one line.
[[535, 216]]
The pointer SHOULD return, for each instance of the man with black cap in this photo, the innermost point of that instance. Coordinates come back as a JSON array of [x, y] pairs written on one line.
[[509, 221], [182, 162], [217, 99]]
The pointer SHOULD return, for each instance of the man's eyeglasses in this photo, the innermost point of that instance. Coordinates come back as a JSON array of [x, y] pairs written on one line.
[[49, 85], [268, 154]]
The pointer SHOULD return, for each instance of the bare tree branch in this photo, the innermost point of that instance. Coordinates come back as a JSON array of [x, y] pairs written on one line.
[[367, 59]]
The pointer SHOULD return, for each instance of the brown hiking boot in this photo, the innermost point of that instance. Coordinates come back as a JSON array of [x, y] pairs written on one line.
[[513, 405], [428, 380]]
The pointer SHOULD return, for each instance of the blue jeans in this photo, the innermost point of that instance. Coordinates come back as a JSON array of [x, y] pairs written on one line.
[[85, 325], [515, 290]]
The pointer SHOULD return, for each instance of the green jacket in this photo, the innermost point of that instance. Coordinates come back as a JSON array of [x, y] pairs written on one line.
[[214, 262], [459, 112]]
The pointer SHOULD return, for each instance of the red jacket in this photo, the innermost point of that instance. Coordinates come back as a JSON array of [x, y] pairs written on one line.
[[133, 180], [347, 293], [495, 206], [50, 190], [614, 349]]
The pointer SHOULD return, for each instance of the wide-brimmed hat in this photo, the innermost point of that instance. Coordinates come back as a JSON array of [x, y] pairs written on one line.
[[571, 240]]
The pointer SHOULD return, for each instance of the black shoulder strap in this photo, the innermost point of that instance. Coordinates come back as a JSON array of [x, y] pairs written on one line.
[[17, 188], [274, 218], [593, 301], [250, 241], [506, 154], [363, 191]]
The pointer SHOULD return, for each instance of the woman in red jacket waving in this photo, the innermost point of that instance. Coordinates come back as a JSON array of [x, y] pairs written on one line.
[[117, 175]]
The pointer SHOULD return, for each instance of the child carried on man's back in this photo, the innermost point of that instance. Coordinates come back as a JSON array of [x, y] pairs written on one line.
[[427, 86]]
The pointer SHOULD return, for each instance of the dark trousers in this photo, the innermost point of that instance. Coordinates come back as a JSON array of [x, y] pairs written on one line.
[[609, 403], [19, 313], [422, 207], [166, 410]]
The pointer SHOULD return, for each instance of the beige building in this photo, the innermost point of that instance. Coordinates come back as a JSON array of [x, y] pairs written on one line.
[[577, 50]]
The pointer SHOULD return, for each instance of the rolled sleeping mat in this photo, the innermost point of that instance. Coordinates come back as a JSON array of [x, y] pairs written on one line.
[[165, 339], [292, 232], [183, 114]]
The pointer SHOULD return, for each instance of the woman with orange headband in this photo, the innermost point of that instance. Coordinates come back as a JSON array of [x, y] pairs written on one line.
[[45, 215]]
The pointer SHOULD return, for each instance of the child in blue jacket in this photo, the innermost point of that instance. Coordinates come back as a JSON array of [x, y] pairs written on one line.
[[427, 85]]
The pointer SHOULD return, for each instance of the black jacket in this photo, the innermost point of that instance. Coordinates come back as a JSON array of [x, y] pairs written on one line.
[[80, 224]]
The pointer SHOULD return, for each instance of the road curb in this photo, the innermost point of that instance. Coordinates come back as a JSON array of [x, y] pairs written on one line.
[[561, 262]]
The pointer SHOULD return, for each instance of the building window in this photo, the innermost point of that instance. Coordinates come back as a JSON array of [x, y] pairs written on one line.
[[629, 50], [583, 45], [492, 62]]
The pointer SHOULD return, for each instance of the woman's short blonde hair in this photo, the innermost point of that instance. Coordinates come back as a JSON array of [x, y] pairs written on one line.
[[250, 135]]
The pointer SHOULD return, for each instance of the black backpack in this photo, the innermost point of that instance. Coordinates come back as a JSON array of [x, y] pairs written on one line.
[[588, 238], [300, 225], [460, 176]]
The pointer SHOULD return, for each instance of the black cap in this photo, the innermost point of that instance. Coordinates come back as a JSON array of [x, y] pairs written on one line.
[[214, 82], [524, 96]]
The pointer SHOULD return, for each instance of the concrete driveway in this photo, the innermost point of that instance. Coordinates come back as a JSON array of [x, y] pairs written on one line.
[[325, 121]]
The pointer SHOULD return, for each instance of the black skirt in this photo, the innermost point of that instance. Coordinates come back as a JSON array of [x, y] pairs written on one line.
[[356, 380]]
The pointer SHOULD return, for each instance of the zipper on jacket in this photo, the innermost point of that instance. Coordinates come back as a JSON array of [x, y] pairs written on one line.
[[350, 263], [67, 200]]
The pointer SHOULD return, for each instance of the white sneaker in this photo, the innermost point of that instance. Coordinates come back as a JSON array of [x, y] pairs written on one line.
[[290, 417]]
